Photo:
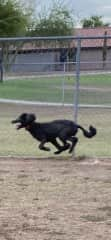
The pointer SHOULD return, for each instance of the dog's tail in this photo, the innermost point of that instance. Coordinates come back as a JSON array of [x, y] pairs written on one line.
[[88, 133]]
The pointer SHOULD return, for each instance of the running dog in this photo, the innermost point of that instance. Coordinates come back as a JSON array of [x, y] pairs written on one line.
[[63, 130]]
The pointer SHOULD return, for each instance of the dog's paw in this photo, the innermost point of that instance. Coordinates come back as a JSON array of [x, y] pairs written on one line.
[[70, 150], [44, 148], [58, 152], [63, 148]]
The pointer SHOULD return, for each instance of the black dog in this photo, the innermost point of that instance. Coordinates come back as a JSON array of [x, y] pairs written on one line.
[[64, 130]]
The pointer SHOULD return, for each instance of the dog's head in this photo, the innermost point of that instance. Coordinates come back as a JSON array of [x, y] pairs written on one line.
[[25, 120]]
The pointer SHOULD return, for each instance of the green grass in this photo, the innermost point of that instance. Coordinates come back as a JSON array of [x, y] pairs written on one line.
[[95, 89], [31, 89], [21, 143], [96, 80]]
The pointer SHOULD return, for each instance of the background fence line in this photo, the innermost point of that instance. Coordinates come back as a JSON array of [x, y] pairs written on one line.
[[78, 89]]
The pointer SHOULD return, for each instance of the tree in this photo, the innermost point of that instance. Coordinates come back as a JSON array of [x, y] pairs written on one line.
[[14, 22], [93, 21], [58, 22]]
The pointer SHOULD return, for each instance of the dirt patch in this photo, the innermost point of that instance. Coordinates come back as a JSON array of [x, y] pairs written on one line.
[[55, 198]]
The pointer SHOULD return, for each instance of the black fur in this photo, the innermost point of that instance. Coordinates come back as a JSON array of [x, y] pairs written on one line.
[[64, 130]]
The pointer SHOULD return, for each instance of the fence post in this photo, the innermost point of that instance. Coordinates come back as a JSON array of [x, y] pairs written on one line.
[[63, 83], [1, 65], [77, 83], [76, 86]]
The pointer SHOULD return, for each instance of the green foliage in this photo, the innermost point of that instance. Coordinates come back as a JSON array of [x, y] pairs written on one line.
[[13, 21], [93, 21], [57, 22]]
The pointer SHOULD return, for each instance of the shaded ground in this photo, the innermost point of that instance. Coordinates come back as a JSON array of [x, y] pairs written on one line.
[[55, 199]]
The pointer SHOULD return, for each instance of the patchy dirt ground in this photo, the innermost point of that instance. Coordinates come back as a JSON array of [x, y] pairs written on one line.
[[55, 199]]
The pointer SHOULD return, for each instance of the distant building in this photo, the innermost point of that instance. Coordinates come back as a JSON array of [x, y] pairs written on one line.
[[95, 51], [95, 54]]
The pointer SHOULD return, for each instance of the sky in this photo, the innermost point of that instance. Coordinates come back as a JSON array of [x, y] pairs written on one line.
[[83, 8]]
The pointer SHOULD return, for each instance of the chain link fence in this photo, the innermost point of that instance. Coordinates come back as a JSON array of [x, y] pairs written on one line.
[[68, 76]]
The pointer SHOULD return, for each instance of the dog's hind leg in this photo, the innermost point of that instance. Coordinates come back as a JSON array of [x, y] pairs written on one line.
[[65, 146], [57, 145], [74, 141], [42, 147]]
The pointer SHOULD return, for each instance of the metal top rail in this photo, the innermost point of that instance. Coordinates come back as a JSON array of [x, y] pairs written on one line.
[[25, 39]]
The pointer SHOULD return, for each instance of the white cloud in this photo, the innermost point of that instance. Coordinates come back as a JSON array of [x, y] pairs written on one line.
[[107, 7]]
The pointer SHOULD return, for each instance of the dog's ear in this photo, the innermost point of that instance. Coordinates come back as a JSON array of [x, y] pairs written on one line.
[[30, 118]]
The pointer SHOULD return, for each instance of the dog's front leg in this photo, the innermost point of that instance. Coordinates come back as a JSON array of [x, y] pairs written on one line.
[[42, 147], [57, 145]]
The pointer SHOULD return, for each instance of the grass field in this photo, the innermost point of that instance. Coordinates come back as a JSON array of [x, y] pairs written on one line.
[[94, 89], [20, 143]]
